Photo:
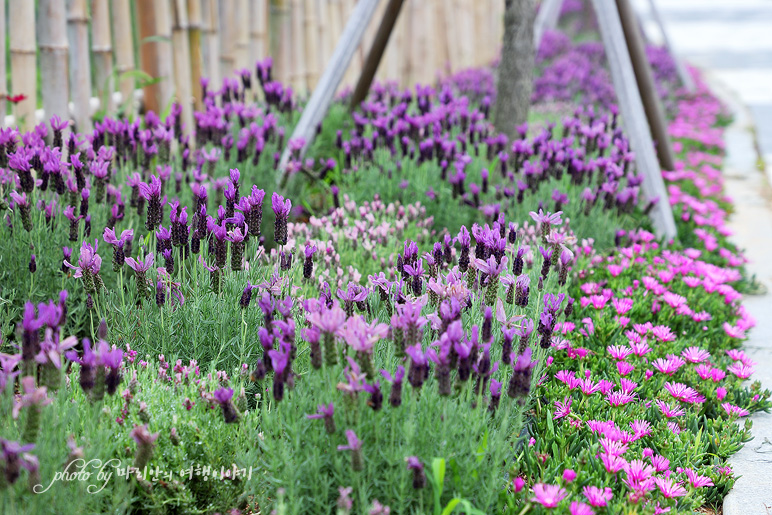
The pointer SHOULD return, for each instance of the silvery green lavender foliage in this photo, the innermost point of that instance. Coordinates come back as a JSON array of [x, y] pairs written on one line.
[[427, 369]]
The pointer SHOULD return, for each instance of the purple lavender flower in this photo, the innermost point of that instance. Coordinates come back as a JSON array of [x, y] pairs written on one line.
[[281, 209], [395, 398], [145, 444], [14, 456], [223, 397], [520, 381], [355, 446], [112, 360], [419, 476], [326, 413]]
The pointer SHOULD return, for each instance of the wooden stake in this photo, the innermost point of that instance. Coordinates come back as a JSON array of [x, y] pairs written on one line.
[[194, 46], [375, 54], [53, 58], [102, 47], [124, 50], [683, 73], [655, 114], [323, 94], [80, 63], [546, 19], [3, 64], [182, 73], [633, 114]]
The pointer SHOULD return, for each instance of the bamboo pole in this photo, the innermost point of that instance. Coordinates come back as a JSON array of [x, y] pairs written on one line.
[[195, 49], [227, 38], [439, 38], [285, 45], [156, 55], [258, 30], [335, 28], [182, 73], [299, 68], [241, 22], [53, 58], [322, 17], [102, 48], [23, 68], [3, 64], [210, 50], [80, 63], [311, 38], [120, 13]]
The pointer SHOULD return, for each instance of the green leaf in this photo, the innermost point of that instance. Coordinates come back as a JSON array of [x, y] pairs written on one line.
[[450, 508], [438, 469]]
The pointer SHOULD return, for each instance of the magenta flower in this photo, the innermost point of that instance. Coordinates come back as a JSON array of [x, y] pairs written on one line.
[[562, 409], [696, 480], [669, 411], [580, 508], [684, 393], [733, 410], [695, 355], [596, 496], [548, 496], [669, 488]]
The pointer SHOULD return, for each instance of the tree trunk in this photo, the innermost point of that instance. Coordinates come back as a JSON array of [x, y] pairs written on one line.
[[52, 39], [515, 81]]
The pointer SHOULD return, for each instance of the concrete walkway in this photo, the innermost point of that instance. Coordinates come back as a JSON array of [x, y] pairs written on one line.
[[731, 41], [752, 226]]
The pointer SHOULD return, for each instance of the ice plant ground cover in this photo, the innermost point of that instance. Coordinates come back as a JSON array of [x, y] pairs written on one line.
[[494, 331]]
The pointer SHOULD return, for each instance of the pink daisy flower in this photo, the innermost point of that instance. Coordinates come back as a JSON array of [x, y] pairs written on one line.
[[597, 497], [548, 496]]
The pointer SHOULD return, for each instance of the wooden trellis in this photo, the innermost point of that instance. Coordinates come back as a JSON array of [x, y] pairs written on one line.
[[181, 41]]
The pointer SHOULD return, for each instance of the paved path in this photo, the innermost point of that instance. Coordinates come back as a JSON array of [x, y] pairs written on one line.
[[731, 40]]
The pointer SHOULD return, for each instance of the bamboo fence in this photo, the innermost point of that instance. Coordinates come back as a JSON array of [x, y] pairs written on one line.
[[179, 42]]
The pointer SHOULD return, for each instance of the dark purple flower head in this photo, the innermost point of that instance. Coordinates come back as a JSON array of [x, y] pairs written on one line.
[[495, 388], [109, 237], [223, 395], [309, 250], [399, 375], [281, 207], [279, 360], [413, 463], [152, 190], [354, 443], [323, 411]]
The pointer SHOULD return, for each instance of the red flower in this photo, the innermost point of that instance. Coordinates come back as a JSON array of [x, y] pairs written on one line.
[[16, 98]]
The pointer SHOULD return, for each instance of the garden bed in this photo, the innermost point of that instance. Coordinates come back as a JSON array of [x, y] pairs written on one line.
[[495, 329]]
